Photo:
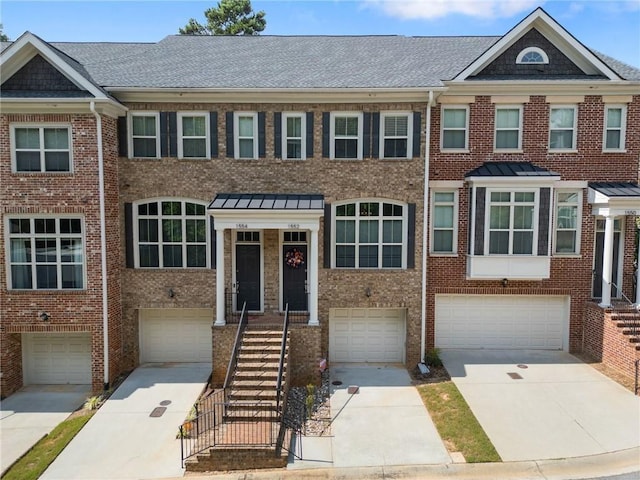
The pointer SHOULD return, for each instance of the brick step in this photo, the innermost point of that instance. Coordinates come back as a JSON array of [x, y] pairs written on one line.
[[269, 375], [257, 357], [255, 332], [253, 384], [262, 341], [247, 416], [261, 349], [255, 395], [253, 366]]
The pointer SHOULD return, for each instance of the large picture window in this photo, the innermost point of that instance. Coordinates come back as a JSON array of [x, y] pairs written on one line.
[[46, 253], [171, 234], [41, 148], [370, 234], [512, 219]]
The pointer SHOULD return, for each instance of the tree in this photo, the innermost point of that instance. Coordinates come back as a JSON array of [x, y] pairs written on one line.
[[230, 17], [3, 37]]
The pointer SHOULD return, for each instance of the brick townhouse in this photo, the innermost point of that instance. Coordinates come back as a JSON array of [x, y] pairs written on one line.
[[396, 193]]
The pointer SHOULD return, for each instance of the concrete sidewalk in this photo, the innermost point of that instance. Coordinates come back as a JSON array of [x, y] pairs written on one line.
[[122, 441], [537, 405], [31, 413]]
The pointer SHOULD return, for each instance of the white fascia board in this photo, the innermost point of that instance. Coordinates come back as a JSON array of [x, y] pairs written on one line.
[[26, 47], [544, 87], [265, 219], [104, 106], [533, 181], [558, 36]]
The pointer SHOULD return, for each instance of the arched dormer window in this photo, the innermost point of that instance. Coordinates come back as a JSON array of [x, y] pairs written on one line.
[[532, 55]]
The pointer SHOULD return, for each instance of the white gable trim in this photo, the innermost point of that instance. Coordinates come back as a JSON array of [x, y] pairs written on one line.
[[18, 54], [556, 33]]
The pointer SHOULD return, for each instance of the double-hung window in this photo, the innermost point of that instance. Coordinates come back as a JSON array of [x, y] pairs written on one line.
[[145, 135], [46, 253], [370, 234], [615, 120], [41, 148], [171, 234], [454, 128], [562, 128], [346, 136], [567, 222], [294, 145], [508, 123], [396, 134], [444, 221], [193, 138], [511, 222], [246, 137]]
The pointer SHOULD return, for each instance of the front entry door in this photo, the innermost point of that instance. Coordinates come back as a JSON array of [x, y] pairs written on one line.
[[599, 250], [294, 277], [248, 276]]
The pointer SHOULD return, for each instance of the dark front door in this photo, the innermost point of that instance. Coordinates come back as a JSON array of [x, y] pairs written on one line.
[[248, 276], [294, 277], [597, 270]]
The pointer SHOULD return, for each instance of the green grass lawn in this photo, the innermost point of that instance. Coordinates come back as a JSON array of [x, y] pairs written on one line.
[[36, 460], [456, 424]]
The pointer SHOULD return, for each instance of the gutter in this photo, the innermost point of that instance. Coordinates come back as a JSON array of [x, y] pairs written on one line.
[[103, 248], [425, 218]]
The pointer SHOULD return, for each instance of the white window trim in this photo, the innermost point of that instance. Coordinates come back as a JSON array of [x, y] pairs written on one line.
[[332, 136], [207, 140], [454, 245], [236, 134], [57, 236], [623, 128], [182, 217], [464, 149], [409, 136], [130, 116], [357, 217], [574, 138], [495, 129], [512, 203], [556, 204], [41, 127], [303, 134], [525, 51]]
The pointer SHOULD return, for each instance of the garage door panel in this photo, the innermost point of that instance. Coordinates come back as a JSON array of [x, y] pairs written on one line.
[[61, 358], [500, 321]]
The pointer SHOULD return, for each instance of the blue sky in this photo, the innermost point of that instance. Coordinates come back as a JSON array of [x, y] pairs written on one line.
[[611, 27]]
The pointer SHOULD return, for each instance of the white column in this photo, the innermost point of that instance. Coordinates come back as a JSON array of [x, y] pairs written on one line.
[[637, 272], [607, 261], [220, 300], [313, 278]]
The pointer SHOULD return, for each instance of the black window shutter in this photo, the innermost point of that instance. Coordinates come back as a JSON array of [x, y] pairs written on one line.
[[543, 221], [411, 236], [172, 118], [327, 235], [309, 134], [366, 135], [213, 133], [164, 134], [375, 135], [128, 234], [261, 135], [417, 130], [123, 141], [478, 242], [277, 134], [326, 133], [230, 135], [214, 238]]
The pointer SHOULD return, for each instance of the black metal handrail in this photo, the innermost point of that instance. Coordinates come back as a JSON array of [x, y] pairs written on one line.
[[636, 387], [242, 324], [283, 348]]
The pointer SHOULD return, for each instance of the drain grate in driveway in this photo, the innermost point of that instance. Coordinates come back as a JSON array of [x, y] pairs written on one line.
[[157, 412], [514, 375]]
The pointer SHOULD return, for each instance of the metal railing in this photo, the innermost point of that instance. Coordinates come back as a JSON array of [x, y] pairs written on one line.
[[636, 387], [231, 314], [283, 349], [233, 361]]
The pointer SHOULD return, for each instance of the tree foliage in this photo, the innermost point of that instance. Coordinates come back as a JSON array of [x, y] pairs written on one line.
[[3, 36], [230, 17]]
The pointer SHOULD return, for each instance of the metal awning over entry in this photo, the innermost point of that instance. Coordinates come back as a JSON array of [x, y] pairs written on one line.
[[614, 198]]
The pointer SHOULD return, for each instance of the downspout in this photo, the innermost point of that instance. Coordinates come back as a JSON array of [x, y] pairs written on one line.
[[425, 218], [103, 248]]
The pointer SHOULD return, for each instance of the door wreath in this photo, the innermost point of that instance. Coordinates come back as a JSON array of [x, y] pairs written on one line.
[[294, 258]]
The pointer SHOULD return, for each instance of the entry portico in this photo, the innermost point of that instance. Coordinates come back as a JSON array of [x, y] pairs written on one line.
[[252, 212], [611, 200]]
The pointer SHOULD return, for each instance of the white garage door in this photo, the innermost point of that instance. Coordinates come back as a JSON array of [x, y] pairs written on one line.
[[501, 321], [175, 335], [56, 358], [366, 334]]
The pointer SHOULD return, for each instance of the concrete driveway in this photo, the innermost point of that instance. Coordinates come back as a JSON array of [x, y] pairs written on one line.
[[538, 405], [122, 441], [28, 415], [385, 424]]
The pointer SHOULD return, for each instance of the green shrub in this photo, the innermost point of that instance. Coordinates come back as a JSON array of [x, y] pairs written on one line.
[[432, 357]]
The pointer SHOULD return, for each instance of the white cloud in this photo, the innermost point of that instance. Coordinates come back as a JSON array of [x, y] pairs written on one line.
[[430, 9]]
